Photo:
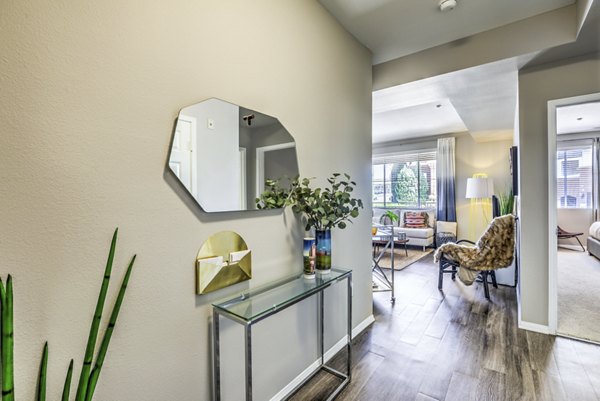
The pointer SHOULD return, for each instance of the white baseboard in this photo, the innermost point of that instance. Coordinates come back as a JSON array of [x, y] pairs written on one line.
[[297, 380], [362, 325], [571, 247], [539, 328], [330, 353]]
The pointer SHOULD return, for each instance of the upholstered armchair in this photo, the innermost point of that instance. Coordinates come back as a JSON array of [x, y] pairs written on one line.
[[494, 250]]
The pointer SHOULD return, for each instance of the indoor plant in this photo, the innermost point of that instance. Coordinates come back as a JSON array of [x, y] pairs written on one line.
[[274, 196], [506, 201], [392, 216], [89, 373], [323, 208]]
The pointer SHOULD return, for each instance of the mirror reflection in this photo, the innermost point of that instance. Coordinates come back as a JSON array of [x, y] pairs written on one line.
[[224, 153]]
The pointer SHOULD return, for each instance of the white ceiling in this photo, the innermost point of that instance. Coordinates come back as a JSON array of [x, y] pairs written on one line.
[[578, 118], [481, 100], [395, 28], [431, 118]]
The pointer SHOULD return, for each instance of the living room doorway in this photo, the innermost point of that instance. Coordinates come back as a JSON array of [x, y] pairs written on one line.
[[574, 230]]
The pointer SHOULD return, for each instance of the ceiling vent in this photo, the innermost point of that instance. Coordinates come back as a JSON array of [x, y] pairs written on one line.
[[447, 5]]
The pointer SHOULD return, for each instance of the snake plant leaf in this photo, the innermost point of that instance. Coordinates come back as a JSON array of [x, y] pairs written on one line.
[[67, 387], [6, 296], [2, 296], [2, 301], [41, 389], [108, 334], [93, 335]]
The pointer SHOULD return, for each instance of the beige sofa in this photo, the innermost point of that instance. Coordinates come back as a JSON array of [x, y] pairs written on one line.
[[422, 237]]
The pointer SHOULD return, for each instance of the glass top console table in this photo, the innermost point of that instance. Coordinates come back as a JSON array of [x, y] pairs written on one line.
[[257, 304]]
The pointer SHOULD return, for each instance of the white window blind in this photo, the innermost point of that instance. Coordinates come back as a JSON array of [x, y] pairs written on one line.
[[574, 165], [405, 180]]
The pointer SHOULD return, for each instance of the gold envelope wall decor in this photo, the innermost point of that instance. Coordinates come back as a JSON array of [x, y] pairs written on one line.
[[223, 260]]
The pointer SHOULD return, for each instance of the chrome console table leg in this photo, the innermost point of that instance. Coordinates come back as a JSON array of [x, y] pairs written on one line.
[[349, 345], [216, 358], [321, 325], [248, 352], [344, 377]]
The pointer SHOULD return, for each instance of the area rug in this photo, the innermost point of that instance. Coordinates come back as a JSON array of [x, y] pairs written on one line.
[[402, 261], [578, 295]]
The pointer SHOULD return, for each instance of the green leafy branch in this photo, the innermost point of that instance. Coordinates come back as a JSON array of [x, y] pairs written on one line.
[[324, 208], [274, 195]]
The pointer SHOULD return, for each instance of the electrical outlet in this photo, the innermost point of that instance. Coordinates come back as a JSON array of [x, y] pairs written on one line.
[[210, 123]]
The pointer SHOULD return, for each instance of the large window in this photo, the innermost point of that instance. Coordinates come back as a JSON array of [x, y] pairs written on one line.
[[405, 180], [574, 174]]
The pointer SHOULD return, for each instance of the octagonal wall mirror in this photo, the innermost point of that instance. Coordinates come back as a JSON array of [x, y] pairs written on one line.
[[223, 154]]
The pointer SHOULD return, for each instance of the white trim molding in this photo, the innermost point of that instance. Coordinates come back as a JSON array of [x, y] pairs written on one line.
[[538, 328], [362, 326], [552, 220], [330, 353], [260, 162]]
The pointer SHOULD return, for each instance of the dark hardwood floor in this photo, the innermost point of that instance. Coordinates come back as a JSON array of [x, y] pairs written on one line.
[[457, 346]]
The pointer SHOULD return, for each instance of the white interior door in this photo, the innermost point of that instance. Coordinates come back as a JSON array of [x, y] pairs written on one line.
[[182, 161]]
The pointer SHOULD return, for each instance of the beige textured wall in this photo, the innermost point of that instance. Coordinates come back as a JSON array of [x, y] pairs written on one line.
[[538, 85], [473, 157], [89, 96]]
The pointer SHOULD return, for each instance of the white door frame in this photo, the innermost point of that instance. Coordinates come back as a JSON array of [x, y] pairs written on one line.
[[243, 181], [194, 123], [552, 206], [260, 163], [193, 189]]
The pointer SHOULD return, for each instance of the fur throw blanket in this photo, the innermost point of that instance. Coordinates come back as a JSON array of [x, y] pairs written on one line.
[[494, 250]]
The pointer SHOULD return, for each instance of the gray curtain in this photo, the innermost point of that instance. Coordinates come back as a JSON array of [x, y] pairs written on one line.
[[446, 201]]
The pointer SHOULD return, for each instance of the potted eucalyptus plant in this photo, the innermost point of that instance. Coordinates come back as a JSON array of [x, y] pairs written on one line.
[[322, 208]]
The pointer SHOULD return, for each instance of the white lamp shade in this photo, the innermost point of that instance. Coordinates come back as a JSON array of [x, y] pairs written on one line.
[[479, 188]]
